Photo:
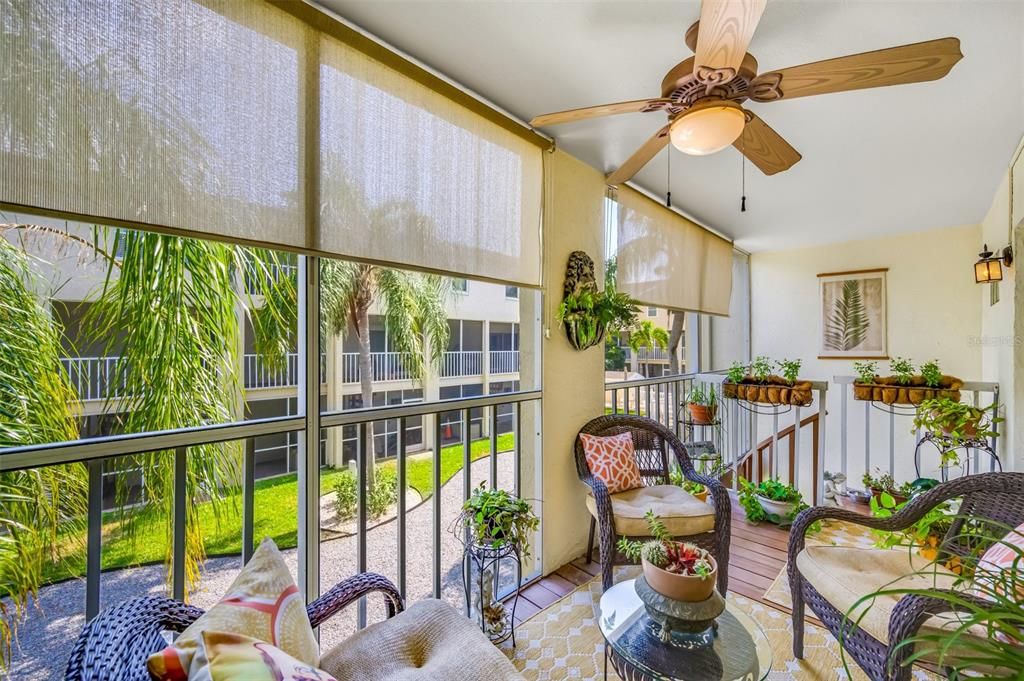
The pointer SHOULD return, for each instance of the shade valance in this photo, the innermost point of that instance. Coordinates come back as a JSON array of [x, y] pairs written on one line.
[[249, 121], [665, 260]]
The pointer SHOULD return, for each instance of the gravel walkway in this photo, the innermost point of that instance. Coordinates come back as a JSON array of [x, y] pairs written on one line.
[[46, 636]]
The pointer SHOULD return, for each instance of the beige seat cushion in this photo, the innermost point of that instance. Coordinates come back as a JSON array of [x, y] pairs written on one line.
[[844, 574], [682, 513], [429, 641]]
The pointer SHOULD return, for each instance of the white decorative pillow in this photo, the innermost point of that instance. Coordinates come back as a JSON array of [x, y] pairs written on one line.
[[233, 657], [262, 603]]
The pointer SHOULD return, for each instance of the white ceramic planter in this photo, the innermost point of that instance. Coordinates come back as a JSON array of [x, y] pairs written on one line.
[[782, 509]]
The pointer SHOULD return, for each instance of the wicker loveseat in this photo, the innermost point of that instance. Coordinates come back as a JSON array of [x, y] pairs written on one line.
[[622, 514], [832, 579], [430, 640]]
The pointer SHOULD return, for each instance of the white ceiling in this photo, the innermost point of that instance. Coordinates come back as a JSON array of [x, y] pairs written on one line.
[[896, 159]]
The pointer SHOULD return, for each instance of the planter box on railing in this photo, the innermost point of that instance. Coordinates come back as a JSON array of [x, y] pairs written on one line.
[[887, 390], [773, 390]]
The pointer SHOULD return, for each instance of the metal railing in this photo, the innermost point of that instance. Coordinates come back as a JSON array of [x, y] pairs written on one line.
[[387, 366], [93, 378], [175, 444], [653, 354], [504, 361], [462, 363], [885, 435]]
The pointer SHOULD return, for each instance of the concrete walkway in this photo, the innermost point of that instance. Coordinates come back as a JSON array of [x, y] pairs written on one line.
[[45, 638]]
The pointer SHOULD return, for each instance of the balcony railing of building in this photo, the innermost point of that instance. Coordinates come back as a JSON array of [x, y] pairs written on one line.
[[177, 446], [653, 355], [93, 378], [459, 363], [504, 362]]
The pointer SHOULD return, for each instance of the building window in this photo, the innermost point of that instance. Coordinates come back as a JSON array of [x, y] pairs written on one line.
[[460, 284], [512, 292], [652, 312]]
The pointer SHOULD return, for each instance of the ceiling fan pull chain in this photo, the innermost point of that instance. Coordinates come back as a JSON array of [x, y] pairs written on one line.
[[743, 176], [668, 184]]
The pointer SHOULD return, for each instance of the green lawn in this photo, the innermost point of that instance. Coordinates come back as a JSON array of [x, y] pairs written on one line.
[[275, 515]]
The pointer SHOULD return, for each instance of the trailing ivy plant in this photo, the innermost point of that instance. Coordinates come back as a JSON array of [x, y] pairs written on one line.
[[776, 490], [867, 372], [496, 518], [954, 424], [902, 369]]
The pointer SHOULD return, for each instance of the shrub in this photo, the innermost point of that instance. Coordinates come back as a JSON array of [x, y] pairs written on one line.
[[378, 500]]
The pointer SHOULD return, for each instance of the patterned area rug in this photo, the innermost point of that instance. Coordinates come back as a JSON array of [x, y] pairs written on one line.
[[563, 641], [837, 533]]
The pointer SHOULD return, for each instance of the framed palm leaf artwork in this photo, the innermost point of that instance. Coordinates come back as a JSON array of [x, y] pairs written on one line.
[[853, 322]]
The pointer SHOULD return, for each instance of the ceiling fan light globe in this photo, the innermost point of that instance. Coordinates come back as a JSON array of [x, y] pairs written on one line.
[[708, 129]]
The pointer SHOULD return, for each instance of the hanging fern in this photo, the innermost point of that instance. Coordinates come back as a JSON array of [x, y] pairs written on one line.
[[847, 326]]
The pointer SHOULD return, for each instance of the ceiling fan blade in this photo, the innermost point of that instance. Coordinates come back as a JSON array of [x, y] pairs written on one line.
[[726, 27], [765, 148], [572, 115], [914, 63], [640, 157]]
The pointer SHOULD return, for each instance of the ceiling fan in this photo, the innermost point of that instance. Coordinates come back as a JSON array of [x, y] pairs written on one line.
[[702, 95]]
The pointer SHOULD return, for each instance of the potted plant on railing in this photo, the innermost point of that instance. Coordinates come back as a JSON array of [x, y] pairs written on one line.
[[954, 425], [702, 403], [771, 500], [676, 570], [757, 383], [885, 484], [903, 386]]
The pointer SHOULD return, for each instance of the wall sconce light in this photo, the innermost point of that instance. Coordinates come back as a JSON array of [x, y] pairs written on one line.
[[990, 268]]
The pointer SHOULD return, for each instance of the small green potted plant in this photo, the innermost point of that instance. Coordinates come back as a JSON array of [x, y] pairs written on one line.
[[677, 570], [702, 403], [883, 483], [695, 489], [867, 377], [756, 383], [496, 518], [587, 315], [954, 424], [771, 500]]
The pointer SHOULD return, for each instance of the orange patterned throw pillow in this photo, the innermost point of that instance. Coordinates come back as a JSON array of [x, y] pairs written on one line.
[[263, 603], [612, 460]]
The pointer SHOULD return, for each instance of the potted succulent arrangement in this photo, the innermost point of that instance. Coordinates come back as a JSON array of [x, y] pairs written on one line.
[[702, 403], [676, 570], [903, 385], [771, 500], [953, 424], [757, 383]]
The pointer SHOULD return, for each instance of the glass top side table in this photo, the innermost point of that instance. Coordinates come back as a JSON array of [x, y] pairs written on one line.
[[737, 651]]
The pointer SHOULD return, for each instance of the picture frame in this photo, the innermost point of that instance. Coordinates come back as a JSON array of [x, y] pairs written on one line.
[[853, 322]]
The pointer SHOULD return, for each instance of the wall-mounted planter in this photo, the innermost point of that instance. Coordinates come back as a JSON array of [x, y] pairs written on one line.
[[773, 390], [583, 333], [585, 311], [887, 390]]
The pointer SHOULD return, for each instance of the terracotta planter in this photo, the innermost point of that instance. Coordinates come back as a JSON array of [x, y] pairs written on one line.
[[889, 390], [701, 414], [783, 509], [772, 390], [862, 391], [877, 494], [700, 496], [687, 588]]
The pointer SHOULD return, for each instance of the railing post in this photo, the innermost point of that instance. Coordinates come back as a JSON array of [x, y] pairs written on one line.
[[248, 497], [364, 459], [401, 506], [437, 502], [180, 524], [820, 442], [794, 473], [94, 541]]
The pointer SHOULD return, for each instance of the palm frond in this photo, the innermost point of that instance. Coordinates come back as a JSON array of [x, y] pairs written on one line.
[[847, 325]]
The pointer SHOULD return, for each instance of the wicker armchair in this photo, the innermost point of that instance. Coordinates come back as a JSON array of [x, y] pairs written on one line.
[[613, 515], [116, 643], [871, 641]]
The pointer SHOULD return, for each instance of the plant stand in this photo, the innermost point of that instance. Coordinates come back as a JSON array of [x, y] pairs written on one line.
[[943, 444], [481, 569]]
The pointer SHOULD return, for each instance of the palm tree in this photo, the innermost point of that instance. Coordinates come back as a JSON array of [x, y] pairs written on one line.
[[413, 308], [646, 335], [674, 336], [35, 408]]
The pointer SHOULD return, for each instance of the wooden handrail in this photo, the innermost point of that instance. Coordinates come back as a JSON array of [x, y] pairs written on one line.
[[746, 467]]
